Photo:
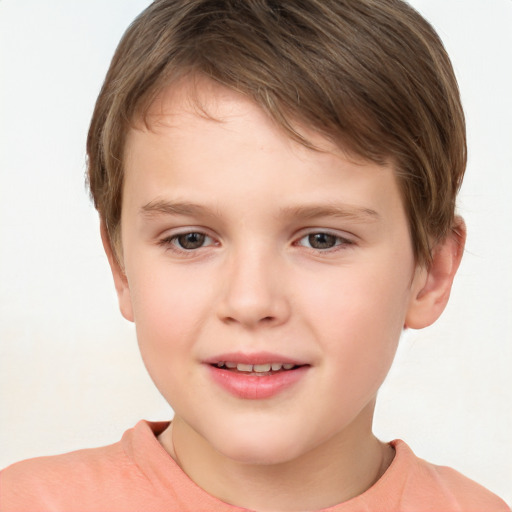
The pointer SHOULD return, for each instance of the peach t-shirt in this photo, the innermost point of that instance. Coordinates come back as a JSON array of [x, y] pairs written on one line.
[[137, 475]]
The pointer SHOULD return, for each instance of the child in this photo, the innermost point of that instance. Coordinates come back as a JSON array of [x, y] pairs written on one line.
[[276, 183]]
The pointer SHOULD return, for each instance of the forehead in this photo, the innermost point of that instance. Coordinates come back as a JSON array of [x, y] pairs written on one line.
[[196, 95], [200, 134]]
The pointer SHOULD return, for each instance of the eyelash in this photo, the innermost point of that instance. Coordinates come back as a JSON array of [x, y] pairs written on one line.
[[340, 242], [171, 243]]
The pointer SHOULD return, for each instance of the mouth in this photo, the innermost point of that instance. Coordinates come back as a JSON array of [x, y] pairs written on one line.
[[256, 369], [256, 376]]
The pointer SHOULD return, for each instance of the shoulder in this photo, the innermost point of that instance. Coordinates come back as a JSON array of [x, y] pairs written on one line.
[[446, 488], [89, 479], [49, 482], [132, 475], [44, 468]]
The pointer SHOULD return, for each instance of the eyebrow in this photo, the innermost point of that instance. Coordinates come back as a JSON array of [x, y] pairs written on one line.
[[162, 207], [349, 212]]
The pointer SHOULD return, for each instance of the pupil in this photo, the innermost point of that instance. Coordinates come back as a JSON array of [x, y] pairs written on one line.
[[322, 241], [191, 240]]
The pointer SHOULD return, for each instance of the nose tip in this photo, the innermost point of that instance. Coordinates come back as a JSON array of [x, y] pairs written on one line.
[[251, 315]]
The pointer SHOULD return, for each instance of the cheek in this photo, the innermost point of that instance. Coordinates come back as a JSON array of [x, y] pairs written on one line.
[[169, 315], [360, 299], [359, 319], [169, 309]]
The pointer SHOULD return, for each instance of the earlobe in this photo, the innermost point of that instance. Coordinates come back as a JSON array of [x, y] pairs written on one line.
[[120, 280], [431, 287]]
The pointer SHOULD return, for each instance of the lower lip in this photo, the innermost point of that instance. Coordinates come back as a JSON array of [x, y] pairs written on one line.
[[255, 387]]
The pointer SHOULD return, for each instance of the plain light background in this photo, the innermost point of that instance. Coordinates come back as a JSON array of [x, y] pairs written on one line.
[[70, 374]]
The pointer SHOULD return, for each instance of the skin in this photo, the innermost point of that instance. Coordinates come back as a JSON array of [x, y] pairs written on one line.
[[260, 282]]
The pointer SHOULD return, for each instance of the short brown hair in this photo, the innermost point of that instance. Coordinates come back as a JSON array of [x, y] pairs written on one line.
[[372, 75]]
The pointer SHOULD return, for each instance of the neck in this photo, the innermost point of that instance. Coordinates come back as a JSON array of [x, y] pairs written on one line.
[[341, 468]]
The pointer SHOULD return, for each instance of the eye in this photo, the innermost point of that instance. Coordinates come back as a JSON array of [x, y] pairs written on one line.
[[188, 241], [323, 241]]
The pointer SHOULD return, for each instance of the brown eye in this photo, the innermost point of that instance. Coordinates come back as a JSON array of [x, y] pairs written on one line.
[[191, 241], [322, 240]]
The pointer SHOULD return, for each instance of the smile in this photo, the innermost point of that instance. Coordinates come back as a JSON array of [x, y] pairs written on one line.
[[266, 368], [256, 377]]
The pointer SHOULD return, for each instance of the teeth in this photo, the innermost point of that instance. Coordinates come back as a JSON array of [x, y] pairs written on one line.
[[262, 367], [257, 368]]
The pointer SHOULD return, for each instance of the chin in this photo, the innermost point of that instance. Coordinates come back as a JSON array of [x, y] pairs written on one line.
[[259, 455], [259, 447]]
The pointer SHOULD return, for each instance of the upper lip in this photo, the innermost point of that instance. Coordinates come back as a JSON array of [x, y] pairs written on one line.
[[254, 358]]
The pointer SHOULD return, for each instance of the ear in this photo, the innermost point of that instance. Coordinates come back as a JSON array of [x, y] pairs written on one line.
[[120, 280], [431, 286]]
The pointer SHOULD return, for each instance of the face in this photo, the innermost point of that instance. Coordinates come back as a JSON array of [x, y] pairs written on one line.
[[269, 283]]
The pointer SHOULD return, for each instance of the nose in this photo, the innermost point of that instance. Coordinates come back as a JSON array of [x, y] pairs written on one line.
[[253, 291]]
